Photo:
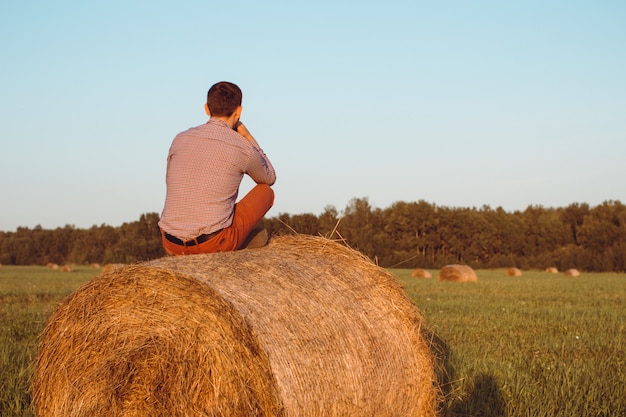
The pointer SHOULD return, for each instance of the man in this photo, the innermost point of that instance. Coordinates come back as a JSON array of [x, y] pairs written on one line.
[[205, 167]]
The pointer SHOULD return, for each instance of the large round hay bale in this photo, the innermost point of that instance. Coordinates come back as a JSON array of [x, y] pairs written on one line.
[[552, 270], [421, 273], [301, 327], [457, 273], [513, 272], [572, 272]]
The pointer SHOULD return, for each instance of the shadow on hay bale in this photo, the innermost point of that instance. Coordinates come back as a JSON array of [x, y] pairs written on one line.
[[421, 273], [302, 327], [457, 273]]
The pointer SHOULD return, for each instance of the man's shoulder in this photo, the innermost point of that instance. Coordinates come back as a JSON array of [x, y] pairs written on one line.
[[195, 130], [215, 133]]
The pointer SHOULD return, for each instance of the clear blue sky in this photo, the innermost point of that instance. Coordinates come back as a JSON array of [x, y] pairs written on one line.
[[459, 103]]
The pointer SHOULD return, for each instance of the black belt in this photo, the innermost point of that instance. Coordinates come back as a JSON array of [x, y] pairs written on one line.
[[193, 242]]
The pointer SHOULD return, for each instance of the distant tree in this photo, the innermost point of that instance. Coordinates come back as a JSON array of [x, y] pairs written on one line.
[[574, 216], [404, 234], [603, 234], [507, 238], [279, 225], [306, 223], [411, 228], [90, 245], [138, 241], [362, 229], [544, 233], [328, 222]]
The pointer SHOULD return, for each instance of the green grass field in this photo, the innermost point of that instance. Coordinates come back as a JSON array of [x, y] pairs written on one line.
[[28, 295], [536, 345]]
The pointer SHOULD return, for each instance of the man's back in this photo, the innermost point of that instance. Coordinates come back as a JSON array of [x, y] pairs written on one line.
[[206, 165]]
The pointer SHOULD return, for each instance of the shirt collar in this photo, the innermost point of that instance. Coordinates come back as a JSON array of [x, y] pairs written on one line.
[[219, 122]]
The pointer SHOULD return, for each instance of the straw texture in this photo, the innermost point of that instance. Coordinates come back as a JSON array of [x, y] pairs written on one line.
[[301, 327]]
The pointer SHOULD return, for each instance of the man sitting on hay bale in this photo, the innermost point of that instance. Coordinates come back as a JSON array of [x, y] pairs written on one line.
[[205, 167]]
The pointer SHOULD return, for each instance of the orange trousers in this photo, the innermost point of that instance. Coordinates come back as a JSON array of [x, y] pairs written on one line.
[[248, 212]]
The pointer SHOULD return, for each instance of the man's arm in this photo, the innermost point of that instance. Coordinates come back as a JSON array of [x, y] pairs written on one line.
[[243, 131], [261, 169]]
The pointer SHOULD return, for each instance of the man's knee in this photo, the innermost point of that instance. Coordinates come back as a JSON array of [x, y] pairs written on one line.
[[267, 192]]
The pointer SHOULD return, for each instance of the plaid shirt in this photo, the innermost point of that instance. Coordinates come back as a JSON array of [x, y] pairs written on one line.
[[205, 167]]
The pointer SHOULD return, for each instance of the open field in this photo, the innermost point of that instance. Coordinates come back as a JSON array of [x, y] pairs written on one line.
[[28, 295], [536, 345]]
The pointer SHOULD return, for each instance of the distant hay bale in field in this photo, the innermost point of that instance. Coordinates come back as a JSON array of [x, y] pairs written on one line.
[[301, 327], [110, 267], [572, 272], [66, 268], [421, 273], [513, 272], [552, 270], [50, 265], [94, 265], [457, 273]]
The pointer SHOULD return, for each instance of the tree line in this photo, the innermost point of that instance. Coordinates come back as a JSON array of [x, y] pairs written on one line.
[[405, 234]]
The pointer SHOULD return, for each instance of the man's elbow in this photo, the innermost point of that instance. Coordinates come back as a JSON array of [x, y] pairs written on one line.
[[267, 181]]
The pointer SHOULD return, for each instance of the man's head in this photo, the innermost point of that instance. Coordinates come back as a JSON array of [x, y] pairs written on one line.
[[223, 99]]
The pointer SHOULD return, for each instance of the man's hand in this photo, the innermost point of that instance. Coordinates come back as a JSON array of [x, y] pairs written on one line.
[[243, 131]]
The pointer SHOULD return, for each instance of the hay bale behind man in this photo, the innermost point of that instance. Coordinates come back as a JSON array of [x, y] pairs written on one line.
[[457, 273], [302, 327], [110, 267], [513, 272], [421, 273]]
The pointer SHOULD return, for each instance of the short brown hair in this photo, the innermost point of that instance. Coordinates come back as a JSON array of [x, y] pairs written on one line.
[[223, 98]]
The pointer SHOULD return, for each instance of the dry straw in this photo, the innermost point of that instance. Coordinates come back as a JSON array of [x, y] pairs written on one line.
[[302, 327], [513, 272], [421, 273], [552, 270], [572, 272], [457, 273]]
